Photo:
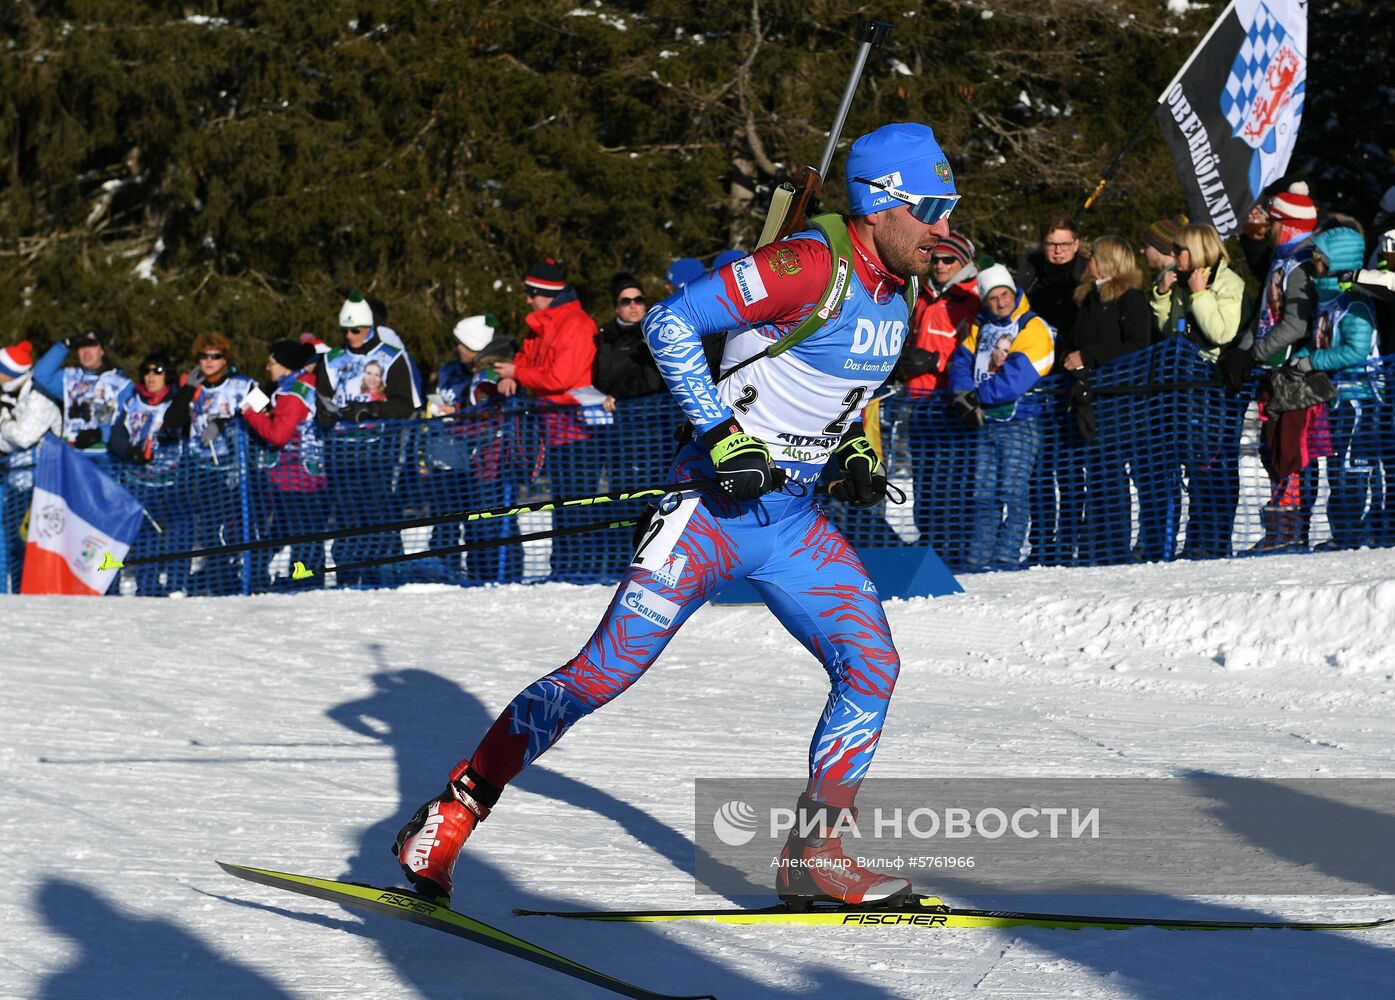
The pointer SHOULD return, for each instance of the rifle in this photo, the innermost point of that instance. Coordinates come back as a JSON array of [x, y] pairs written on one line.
[[791, 203]]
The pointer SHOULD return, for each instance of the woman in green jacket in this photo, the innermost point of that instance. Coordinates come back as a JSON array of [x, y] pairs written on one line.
[[1202, 298], [1202, 301]]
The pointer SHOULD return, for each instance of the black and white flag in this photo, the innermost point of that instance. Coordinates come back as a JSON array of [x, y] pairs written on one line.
[[1230, 117]]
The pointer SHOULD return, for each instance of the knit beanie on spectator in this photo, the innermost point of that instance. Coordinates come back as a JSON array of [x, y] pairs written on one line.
[[1295, 210], [622, 281], [956, 245], [475, 332], [1162, 234], [684, 270], [545, 279], [993, 277], [291, 354], [355, 312], [16, 360], [313, 342]]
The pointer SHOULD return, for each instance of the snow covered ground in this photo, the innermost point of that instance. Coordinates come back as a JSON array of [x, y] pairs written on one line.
[[143, 739]]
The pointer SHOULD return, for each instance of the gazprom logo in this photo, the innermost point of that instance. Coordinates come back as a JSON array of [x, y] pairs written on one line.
[[746, 273], [883, 338], [659, 610]]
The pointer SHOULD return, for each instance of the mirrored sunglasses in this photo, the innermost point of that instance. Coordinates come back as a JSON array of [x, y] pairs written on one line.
[[926, 208], [153, 370]]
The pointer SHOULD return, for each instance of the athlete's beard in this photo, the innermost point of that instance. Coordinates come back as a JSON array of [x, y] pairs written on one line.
[[901, 253]]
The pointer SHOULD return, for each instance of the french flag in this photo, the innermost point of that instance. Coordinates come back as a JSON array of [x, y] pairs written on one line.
[[78, 515]]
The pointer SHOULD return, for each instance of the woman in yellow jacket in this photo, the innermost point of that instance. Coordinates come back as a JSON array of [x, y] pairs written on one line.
[[1202, 301]]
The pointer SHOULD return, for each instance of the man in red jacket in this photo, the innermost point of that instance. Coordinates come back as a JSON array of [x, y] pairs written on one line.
[[560, 344], [946, 307], [556, 357]]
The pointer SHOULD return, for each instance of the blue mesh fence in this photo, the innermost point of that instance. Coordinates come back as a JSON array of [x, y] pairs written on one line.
[[1150, 460]]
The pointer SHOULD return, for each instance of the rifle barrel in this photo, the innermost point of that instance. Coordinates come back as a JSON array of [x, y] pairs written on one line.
[[872, 34]]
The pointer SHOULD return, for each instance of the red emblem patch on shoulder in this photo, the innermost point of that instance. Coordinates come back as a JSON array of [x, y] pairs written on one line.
[[785, 262]]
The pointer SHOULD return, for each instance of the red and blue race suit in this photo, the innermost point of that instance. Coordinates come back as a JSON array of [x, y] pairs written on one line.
[[800, 403]]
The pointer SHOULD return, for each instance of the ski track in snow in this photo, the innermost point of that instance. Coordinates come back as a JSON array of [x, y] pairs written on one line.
[[142, 739]]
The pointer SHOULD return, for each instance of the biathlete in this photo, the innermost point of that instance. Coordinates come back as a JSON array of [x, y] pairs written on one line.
[[816, 324]]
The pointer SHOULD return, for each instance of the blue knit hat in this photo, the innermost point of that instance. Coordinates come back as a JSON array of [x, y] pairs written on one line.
[[684, 270], [1343, 247], [727, 257], [903, 155]]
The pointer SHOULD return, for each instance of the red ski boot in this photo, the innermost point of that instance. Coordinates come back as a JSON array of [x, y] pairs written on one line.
[[814, 869], [428, 845]]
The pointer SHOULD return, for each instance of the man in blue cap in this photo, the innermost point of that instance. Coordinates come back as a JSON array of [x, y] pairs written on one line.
[[814, 326]]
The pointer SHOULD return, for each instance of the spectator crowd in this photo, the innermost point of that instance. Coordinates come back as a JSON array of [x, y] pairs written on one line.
[[1018, 439]]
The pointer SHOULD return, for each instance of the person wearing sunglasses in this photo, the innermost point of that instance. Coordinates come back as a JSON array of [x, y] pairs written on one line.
[[202, 412], [624, 370], [339, 374], [210, 400], [946, 307], [142, 437], [555, 358], [774, 419], [1201, 300], [141, 433]]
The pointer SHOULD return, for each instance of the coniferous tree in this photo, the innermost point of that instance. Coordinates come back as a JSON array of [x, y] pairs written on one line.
[[241, 169]]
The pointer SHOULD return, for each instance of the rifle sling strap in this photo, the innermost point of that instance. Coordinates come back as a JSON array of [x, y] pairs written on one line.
[[834, 229]]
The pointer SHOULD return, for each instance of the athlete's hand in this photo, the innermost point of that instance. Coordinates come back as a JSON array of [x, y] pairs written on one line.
[[742, 463], [916, 361], [864, 477]]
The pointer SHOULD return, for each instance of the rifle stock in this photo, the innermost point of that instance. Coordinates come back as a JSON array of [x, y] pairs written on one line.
[[781, 199], [792, 204]]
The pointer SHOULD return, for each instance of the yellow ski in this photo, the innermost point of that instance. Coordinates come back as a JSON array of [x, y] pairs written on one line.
[[931, 913], [407, 906]]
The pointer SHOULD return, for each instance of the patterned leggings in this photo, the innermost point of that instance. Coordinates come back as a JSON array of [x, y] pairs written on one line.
[[696, 546]]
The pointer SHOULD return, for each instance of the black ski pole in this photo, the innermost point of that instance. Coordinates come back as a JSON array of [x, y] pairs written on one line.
[[301, 572], [613, 496]]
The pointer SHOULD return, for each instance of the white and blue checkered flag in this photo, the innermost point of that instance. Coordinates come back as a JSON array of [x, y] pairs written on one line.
[[1231, 115]]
